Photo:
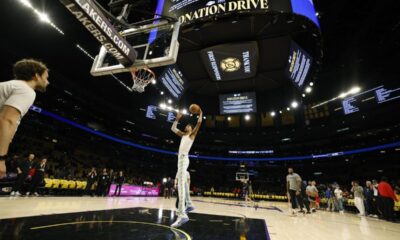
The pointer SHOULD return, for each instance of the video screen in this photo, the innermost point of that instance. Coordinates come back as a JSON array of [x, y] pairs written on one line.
[[237, 103], [173, 80], [364, 100], [153, 112], [231, 61], [299, 64]]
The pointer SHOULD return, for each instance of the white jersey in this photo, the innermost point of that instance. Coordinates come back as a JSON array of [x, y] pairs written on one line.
[[186, 144], [17, 94]]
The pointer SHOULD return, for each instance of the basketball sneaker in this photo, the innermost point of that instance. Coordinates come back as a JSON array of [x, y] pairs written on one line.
[[189, 209], [179, 222]]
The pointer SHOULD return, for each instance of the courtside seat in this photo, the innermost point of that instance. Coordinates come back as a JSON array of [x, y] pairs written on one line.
[[64, 184], [48, 183], [56, 183], [71, 184]]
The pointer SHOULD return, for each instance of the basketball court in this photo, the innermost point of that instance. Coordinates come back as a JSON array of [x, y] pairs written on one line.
[[149, 218]]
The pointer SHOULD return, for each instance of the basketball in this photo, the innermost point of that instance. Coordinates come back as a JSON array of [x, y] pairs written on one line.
[[194, 108]]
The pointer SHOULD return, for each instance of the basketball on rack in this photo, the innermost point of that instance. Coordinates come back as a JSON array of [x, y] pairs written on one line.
[[194, 108]]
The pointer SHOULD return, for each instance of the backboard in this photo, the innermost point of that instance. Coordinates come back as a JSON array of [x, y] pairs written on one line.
[[156, 45]]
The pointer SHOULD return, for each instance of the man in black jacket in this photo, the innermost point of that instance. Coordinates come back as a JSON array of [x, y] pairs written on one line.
[[102, 183], [119, 180], [92, 176], [23, 170], [37, 179]]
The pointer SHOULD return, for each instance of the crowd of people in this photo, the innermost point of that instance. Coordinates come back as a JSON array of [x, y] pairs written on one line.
[[373, 200]]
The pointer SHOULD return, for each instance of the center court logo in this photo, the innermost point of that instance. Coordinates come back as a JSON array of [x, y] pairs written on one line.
[[230, 64]]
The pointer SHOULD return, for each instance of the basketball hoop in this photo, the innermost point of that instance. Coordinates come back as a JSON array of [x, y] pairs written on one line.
[[141, 78]]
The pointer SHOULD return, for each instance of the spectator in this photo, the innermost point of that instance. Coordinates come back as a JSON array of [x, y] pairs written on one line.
[[91, 179], [293, 188], [387, 199], [23, 171], [312, 193], [329, 196], [357, 190], [120, 179], [304, 202], [102, 183], [38, 177], [368, 194], [339, 197]]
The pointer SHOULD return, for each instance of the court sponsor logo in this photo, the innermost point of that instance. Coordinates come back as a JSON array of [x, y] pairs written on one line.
[[98, 25], [230, 64]]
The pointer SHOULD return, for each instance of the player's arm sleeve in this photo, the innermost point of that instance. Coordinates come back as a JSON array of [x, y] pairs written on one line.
[[21, 99]]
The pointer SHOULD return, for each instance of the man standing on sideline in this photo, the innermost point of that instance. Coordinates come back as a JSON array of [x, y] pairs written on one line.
[[37, 179], [339, 198], [119, 180], [387, 199], [16, 97], [187, 139], [23, 171], [293, 188], [92, 176], [358, 197]]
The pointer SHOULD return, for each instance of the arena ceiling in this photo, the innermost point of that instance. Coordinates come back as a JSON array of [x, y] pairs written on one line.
[[360, 44]]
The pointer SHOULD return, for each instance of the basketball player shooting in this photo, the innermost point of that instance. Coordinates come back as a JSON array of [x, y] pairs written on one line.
[[187, 139]]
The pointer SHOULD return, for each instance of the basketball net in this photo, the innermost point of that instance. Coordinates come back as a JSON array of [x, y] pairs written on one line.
[[141, 78]]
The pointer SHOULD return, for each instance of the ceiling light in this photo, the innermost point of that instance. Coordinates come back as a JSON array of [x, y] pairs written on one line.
[[311, 84], [153, 81], [204, 117], [229, 118], [303, 95], [169, 101], [184, 111], [26, 3], [342, 95], [288, 108], [308, 89], [280, 111], [294, 104], [169, 108], [162, 93], [247, 117], [162, 105], [44, 17], [355, 90], [272, 114]]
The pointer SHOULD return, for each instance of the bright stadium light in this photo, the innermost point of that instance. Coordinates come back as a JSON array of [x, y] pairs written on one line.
[[162, 93], [26, 3], [184, 111], [273, 114], [169, 108], [311, 84], [229, 118], [355, 90], [247, 117], [303, 95], [163, 106], [294, 104], [342, 95], [43, 17], [288, 108], [153, 82], [169, 101], [308, 89]]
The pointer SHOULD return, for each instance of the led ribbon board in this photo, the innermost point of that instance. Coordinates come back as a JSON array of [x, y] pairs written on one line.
[[97, 24]]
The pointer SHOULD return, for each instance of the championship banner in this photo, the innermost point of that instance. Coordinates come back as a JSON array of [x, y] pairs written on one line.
[[98, 25]]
